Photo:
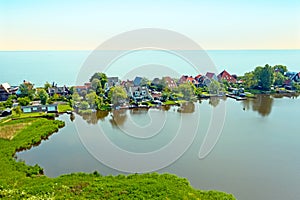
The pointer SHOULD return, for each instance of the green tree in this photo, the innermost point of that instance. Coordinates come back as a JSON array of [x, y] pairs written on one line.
[[91, 98], [265, 76], [27, 90], [17, 110], [101, 77], [43, 96], [47, 85], [84, 105], [186, 89], [215, 87], [249, 80], [117, 95], [279, 78], [24, 101], [97, 87], [145, 82], [76, 97], [280, 68]]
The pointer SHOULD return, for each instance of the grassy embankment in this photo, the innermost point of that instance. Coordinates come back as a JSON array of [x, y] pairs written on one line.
[[20, 181]]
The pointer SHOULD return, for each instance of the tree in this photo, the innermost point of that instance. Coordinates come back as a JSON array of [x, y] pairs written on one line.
[[215, 87], [47, 85], [186, 90], [117, 95], [76, 97], [145, 81], [279, 78], [91, 99], [97, 87], [27, 90], [280, 68], [84, 105], [101, 77], [249, 80], [43, 96], [265, 76], [18, 110], [24, 101]]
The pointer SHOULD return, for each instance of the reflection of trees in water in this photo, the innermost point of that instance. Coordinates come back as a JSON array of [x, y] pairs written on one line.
[[165, 108], [72, 117], [93, 118], [262, 104], [214, 101], [289, 95], [187, 107], [139, 111], [118, 117]]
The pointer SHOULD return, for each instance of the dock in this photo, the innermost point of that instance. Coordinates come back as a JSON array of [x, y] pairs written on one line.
[[236, 97]]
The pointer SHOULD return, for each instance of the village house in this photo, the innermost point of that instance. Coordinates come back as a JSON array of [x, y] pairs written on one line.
[[170, 82], [111, 82], [6, 90], [293, 76], [182, 79], [138, 93], [86, 87], [62, 91], [224, 75], [137, 81], [211, 76]]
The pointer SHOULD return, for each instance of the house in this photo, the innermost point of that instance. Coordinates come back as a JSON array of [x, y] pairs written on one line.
[[224, 75], [6, 112], [111, 82], [86, 87], [293, 76], [138, 93], [170, 82], [137, 81], [155, 82], [198, 77], [211, 76], [182, 79], [51, 108], [63, 91], [6, 90]]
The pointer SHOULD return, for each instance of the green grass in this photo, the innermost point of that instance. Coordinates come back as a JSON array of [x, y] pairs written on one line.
[[64, 108], [20, 181]]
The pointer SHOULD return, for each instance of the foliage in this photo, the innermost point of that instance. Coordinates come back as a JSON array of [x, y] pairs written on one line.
[[64, 108], [117, 95], [264, 76], [279, 78], [43, 96], [280, 68], [84, 105], [27, 90], [47, 85], [187, 90], [17, 110], [9, 102], [24, 101], [215, 87], [101, 77]]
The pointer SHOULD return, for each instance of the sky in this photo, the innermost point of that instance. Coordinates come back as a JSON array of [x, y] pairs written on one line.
[[84, 25]]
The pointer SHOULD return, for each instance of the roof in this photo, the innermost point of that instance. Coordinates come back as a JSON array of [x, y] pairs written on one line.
[[210, 75], [198, 76], [225, 75], [137, 81], [5, 86]]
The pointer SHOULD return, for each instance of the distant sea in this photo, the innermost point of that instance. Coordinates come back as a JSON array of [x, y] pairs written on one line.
[[63, 67]]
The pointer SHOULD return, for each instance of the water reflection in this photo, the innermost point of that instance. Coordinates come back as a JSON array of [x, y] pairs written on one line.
[[187, 107], [262, 104], [118, 117], [214, 101], [93, 118]]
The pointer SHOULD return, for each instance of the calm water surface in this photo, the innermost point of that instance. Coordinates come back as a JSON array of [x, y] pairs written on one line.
[[256, 157]]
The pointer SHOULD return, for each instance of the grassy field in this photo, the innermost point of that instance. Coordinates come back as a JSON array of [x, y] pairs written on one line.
[[20, 181]]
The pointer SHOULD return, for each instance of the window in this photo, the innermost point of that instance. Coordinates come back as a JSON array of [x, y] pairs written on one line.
[[26, 110]]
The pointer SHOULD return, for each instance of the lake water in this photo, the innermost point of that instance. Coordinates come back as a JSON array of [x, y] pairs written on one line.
[[65, 67], [255, 157]]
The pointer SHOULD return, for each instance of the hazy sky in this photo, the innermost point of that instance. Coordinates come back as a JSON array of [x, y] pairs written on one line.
[[56, 25]]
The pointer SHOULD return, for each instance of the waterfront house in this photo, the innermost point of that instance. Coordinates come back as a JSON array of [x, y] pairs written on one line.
[[51, 108], [182, 79], [6, 90], [211, 76], [293, 76], [170, 82], [224, 75], [111, 82], [86, 87], [138, 93], [155, 82], [137, 81], [62, 91]]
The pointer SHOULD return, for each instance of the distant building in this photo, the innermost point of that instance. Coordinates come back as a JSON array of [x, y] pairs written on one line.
[[293, 76], [182, 79], [211, 76], [137, 81], [111, 82], [63, 91], [6, 90], [138, 93], [170, 82], [86, 87], [224, 75]]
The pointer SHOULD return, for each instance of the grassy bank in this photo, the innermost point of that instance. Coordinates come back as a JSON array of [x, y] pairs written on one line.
[[20, 181]]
